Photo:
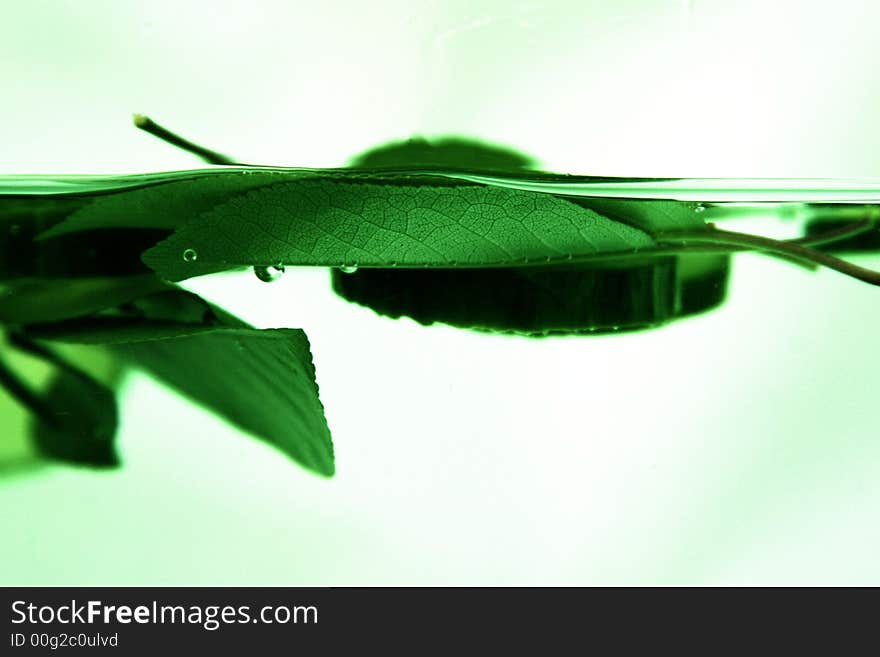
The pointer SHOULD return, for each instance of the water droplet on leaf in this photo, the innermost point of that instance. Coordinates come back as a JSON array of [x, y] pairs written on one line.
[[700, 208], [190, 255], [348, 269], [270, 273]]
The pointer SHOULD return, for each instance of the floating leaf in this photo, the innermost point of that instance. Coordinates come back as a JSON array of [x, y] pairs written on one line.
[[314, 222], [568, 298], [160, 206], [652, 216]]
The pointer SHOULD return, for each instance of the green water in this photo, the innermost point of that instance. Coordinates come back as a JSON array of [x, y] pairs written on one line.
[[731, 190]]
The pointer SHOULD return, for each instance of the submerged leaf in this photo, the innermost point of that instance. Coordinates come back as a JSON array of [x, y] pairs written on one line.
[[93, 253], [23, 216], [49, 300], [81, 425], [263, 381], [74, 418], [313, 222], [544, 301], [529, 300], [702, 282]]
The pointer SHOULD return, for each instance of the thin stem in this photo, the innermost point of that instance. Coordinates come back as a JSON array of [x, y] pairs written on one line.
[[673, 244], [821, 239], [794, 249], [146, 124], [837, 235]]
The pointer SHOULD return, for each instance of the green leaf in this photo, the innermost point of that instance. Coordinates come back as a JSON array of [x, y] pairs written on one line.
[[262, 381], [319, 222], [531, 301], [702, 282], [23, 216], [49, 300], [74, 418], [613, 296], [20, 376], [91, 253], [87, 254], [655, 217], [445, 153], [165, 205], [108, 330], [81, 425], [571, 298]]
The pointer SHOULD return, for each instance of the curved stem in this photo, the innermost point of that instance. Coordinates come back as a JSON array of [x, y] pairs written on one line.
[[794, 249]]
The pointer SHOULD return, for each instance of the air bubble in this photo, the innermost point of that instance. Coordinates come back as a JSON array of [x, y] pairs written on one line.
[[190, 255], [700, 208], [348, 269], [269, 274]]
